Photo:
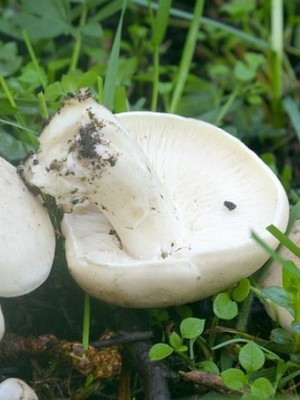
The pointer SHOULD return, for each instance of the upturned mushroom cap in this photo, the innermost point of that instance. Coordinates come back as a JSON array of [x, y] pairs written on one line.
[[27, 240], [16, 389], [218, 190], [273, 277]]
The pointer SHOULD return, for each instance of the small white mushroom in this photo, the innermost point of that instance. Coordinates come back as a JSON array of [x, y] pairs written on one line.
[[27, 240], [160, 208], [273, 277], [16, 389]]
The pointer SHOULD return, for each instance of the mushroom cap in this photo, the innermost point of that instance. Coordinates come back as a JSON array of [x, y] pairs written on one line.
[[273, 277], [27, 240], [2, 325], [223, 191], [16, 389]]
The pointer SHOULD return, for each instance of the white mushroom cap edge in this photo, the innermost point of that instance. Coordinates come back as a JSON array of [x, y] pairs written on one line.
[[16, 389], [27, 240], [160, 208]]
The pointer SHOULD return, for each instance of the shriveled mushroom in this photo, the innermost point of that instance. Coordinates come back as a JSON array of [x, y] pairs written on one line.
[[16, 389], [27, 240], [159, 208], [273, 277]]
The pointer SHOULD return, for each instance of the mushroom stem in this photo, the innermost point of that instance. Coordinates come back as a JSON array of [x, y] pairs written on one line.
[[86, 154]]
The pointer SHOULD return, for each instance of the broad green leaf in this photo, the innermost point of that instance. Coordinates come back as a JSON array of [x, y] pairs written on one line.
[[191, 328], [262, 388], [281, 336], [237, 8], [175, 340], [10, 61], [279, 296], [181, 349], [254, 60], [44, 19], [160, 351], [295, 327], [251, 357], [293, 111], [92, 29], [291, 277], [294, 214], [208, 366], [44, 28], [243, 72], [224, 307], [11, 148], [234, 378], [241, 290]]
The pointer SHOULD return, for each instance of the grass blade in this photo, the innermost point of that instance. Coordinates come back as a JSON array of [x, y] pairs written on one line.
[[293, 112], [161, 22], [113, 64], [276, 59], [15, 125], [284, 240], [159, 26], [187, 55], [31, 52]]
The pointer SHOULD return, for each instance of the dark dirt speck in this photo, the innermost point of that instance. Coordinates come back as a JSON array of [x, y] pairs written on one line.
[[230, 205]]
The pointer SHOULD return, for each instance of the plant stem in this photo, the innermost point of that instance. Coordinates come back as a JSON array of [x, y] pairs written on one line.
[[276, 59], [31, 52], [43, 105], [100, 89], [187, 55], [155, 79], [225, 108], [243, 318], [296, 336], [158, 26], [77, 45], [7, 92], [86, 321], [12, 102]]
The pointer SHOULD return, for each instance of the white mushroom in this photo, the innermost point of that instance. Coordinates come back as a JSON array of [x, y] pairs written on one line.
[[273, 277], [160, 208], [16, 389], [27, 240]]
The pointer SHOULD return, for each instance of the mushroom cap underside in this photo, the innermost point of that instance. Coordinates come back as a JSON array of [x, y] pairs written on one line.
[[27, 240], [223, 191]]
